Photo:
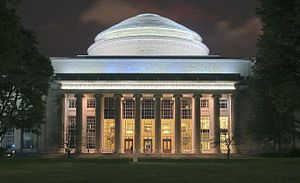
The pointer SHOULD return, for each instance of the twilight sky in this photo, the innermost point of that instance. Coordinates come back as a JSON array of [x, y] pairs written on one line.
[[68, 27]]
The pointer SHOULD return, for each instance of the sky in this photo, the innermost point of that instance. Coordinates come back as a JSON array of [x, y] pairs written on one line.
[[66, 28]]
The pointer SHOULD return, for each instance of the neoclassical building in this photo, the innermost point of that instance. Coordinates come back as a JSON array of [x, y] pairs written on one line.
[[147, 85]]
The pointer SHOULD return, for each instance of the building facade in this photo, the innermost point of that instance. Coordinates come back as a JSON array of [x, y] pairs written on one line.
[[148, 85]]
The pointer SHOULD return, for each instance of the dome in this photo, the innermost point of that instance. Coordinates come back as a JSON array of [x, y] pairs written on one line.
[[148, 34]]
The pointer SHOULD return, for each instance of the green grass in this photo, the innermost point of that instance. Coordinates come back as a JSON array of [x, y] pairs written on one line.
[[31, 170]]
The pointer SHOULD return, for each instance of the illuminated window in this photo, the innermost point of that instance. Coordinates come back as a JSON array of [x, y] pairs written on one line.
[[224, 139], [183, 129], [148, 109], [128, 108], [205, 122], [224, 132], [91, 103], [109, 111], [109, 135], [205, 142], [223, 122], [72, 103], [70, 133], [186, 109], [91, 132], [204, 103], [223, 104], [167, 109]]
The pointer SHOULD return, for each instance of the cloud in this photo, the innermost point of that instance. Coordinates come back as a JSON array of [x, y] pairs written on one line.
[[250, 28], [237, 40], [107, 12]]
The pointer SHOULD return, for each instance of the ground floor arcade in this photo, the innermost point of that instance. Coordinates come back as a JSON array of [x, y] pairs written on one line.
[[177, 122]]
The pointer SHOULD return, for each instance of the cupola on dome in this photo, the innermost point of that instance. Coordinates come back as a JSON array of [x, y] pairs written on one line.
[[148, 34]]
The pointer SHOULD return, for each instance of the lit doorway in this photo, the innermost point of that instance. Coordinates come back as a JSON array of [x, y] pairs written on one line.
[[128, 146], [167, 145], [147, 145]]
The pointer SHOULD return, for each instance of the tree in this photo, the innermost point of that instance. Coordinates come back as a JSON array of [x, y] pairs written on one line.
[[276, 81], [228, 142], [24, 74]]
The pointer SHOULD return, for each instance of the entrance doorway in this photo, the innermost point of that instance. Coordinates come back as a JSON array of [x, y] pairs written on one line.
[[128, 146], [167, 145], [147, 145]]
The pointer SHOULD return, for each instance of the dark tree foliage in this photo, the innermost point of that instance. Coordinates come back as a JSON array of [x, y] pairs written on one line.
[[24, 74], [275, 87]]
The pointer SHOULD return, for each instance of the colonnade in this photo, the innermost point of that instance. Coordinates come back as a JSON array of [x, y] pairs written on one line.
[[196, 122]]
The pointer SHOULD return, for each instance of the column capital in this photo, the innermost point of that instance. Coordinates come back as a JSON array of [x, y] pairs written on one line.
[[79, 95], [234, 94], [137, 95], [62, 95], [216, 95], [98, 94], [156, 95], [197, 95], [177, 95], [117, 95]]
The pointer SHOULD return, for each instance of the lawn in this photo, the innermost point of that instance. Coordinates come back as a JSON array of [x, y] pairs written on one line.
[[31, 170]]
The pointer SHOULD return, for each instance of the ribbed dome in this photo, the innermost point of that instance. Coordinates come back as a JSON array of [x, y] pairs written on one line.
[[148, 34]]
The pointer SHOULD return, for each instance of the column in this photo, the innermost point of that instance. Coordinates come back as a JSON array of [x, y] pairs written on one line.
[[137, 123], [118, 127], [177, 123], [157, 123], [61, 122], [233, 126], [216, 142], [98, 109], [197, 123], [78, 128]]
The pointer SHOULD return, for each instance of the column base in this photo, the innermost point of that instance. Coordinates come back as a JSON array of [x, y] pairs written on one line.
[[216, 151], [158, 151], [196, 151], [137, 151], [99, 151], [177, 151], [118, 151]]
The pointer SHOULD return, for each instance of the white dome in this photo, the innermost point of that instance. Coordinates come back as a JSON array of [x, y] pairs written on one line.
[[148, 34]]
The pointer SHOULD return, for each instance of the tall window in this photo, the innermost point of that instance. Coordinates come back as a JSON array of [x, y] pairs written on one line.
[[109, 112], [9, 138], [27, 138], [223, 104], [204, 103], [128, 108], [205, 141], [167, 106], [91, 103], [224, 122], [72, 103], [148, 109], [91, 132], [70, 131], [186, 108], [224, 132], [204, 122]]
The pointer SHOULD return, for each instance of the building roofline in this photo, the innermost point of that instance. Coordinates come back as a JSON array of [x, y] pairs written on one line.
[[152, 57]]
